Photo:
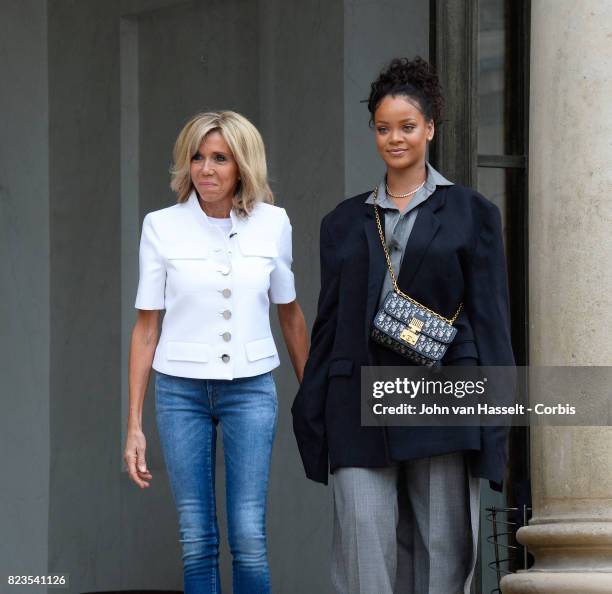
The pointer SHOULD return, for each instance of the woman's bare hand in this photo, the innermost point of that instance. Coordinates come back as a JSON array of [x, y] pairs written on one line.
[[142, 350], [134, 456]]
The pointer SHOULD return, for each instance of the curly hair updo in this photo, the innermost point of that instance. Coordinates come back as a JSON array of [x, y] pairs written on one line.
[[415, 79]]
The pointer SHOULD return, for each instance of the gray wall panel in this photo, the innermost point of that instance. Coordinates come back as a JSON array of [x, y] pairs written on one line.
[[302, 90], [194, 57], [24, 278], [84, 507], [375, 32]]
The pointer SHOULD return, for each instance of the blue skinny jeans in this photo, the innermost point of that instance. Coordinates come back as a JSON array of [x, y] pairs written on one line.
[[188, 412]]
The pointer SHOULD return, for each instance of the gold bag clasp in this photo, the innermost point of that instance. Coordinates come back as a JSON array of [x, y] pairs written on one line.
[[411, 333]]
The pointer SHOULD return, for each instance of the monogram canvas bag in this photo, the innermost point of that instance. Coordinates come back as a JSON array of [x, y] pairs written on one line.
[[406, 326]]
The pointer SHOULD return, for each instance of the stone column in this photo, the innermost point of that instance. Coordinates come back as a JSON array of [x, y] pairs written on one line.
[[570, 280]]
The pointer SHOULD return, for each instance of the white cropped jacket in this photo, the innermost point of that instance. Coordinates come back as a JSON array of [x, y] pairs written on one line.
[[216, 289]]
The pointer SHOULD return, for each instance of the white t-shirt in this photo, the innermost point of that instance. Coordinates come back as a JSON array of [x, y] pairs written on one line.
[[225, 225]]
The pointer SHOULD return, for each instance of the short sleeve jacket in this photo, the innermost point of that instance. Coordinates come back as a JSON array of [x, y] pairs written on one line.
[[216, 288]]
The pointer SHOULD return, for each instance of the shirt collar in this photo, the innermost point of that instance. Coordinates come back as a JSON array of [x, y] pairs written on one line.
[[434, 179]]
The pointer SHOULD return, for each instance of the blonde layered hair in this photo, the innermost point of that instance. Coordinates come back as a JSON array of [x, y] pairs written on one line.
[[247, 147]]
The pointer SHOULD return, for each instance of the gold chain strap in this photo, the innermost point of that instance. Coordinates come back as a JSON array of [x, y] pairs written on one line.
[[390, 266]]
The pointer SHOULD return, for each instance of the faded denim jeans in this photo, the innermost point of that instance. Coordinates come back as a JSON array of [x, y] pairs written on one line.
[[188, 412]]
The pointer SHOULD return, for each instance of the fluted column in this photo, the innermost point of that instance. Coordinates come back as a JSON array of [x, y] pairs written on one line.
[[570, 280]]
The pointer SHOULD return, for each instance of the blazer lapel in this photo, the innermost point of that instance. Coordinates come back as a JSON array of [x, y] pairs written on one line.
[[425, 228], [377, 265]]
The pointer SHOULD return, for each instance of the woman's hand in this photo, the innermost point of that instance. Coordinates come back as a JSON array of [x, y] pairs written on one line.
[[142, 349], [134, 456], [293, 325]]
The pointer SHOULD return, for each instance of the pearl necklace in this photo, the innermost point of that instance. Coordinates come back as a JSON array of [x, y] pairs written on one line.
[[404, 195]]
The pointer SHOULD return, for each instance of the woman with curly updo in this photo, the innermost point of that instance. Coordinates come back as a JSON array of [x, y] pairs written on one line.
[[406, 499]]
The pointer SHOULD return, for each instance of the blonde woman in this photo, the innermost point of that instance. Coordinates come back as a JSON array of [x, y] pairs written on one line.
[[214, 262]]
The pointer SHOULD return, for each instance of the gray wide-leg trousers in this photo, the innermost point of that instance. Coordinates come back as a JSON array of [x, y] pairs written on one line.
[[411, 528]]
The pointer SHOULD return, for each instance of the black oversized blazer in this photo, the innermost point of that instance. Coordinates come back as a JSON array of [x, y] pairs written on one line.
[[454, 254]]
